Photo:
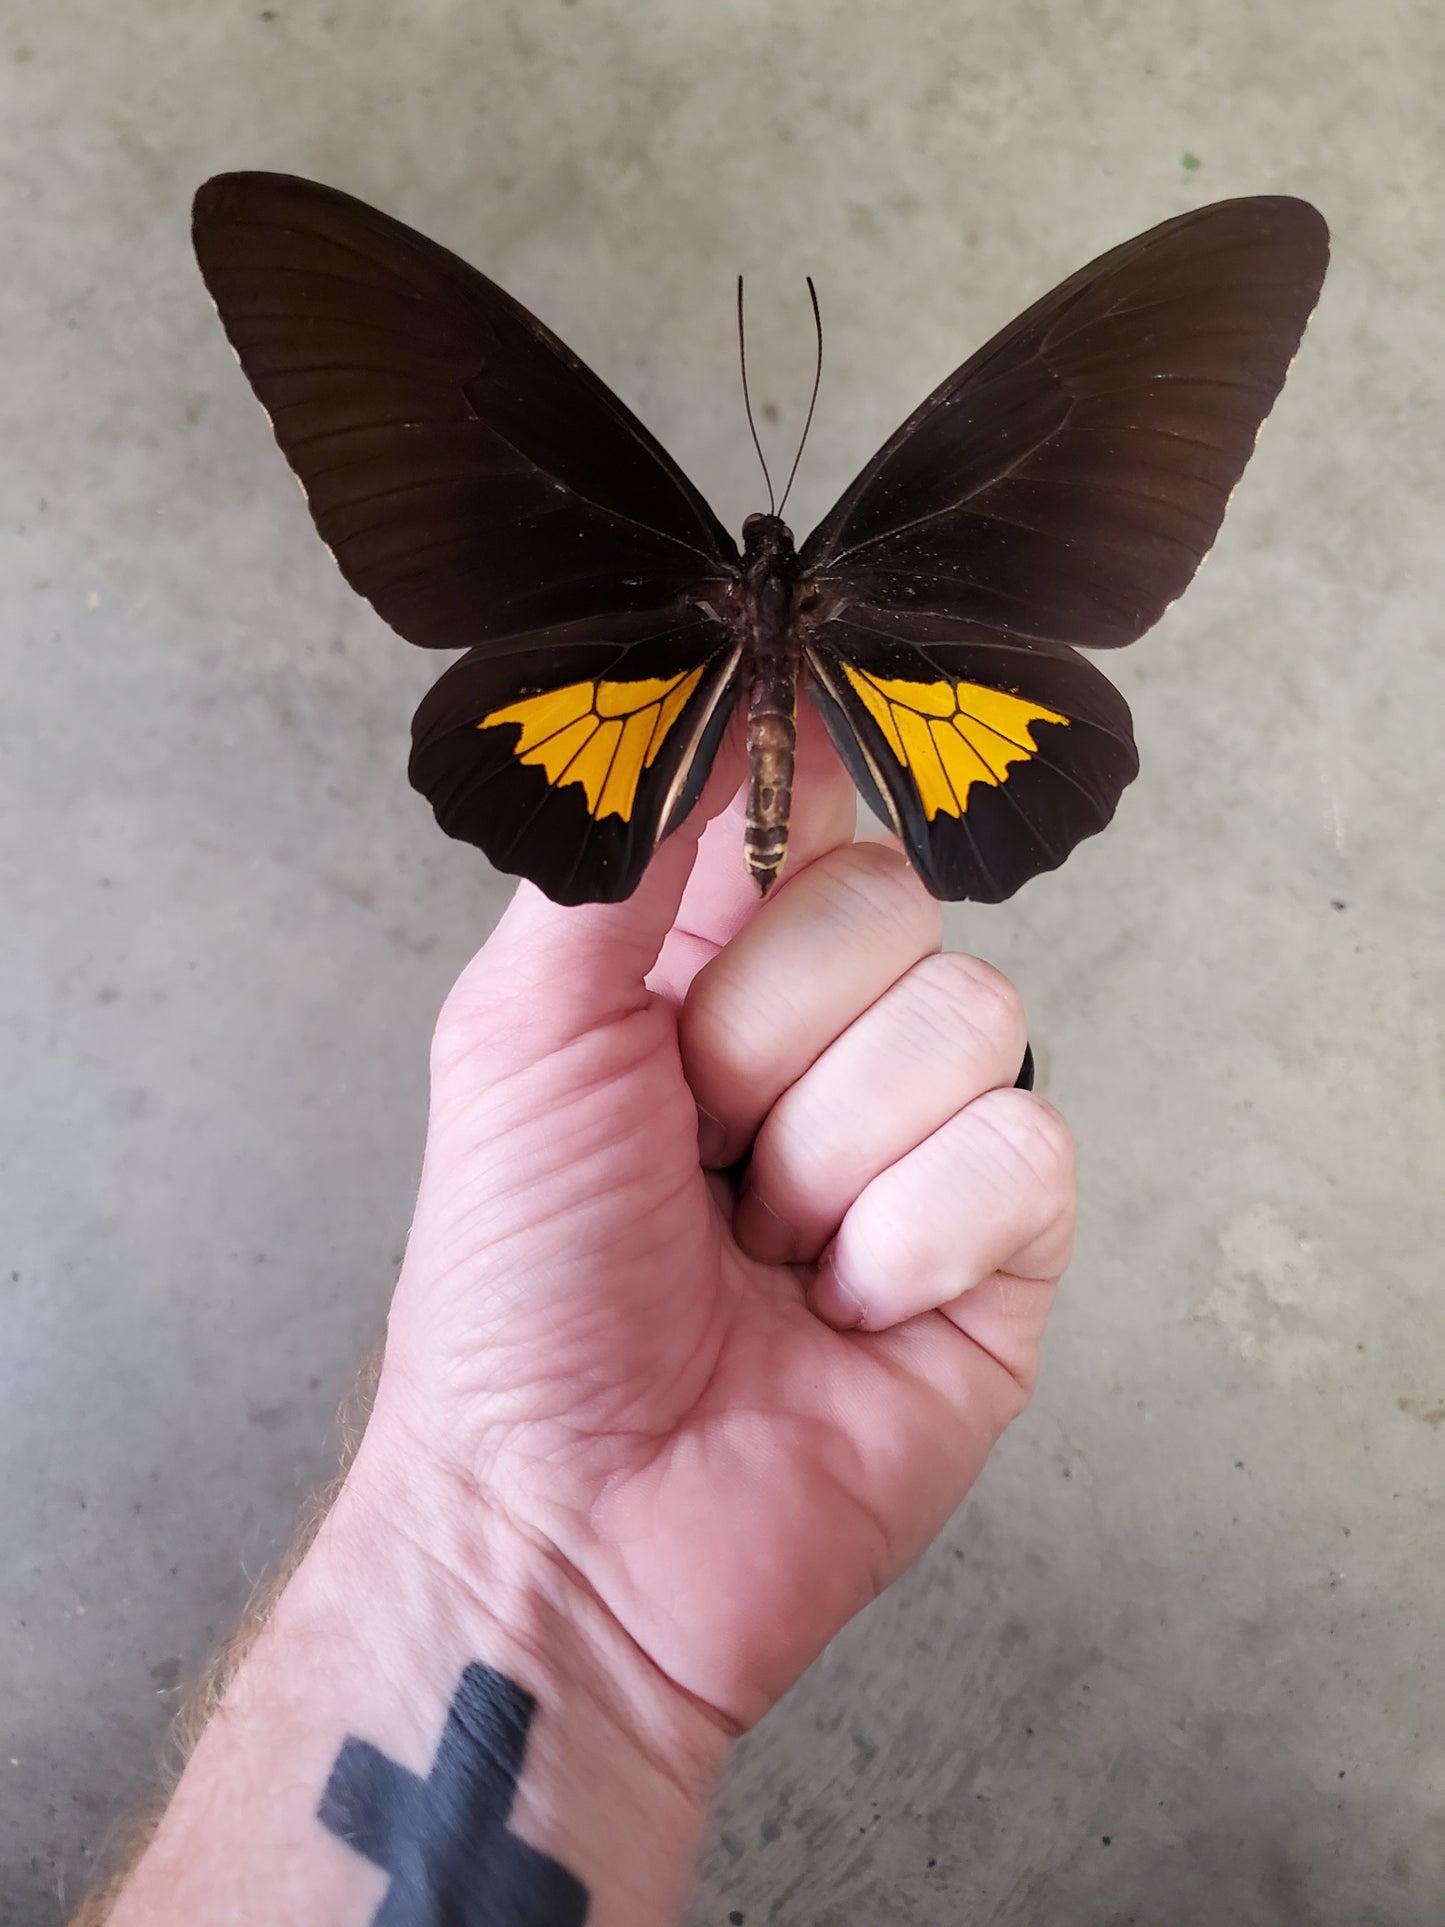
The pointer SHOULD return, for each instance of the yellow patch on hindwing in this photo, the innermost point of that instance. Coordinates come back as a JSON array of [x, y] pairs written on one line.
[[602, 735], [949, 736]]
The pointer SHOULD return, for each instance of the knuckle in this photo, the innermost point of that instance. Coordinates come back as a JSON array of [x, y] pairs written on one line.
[[957, 992], [867, 883], [1031, 1138]]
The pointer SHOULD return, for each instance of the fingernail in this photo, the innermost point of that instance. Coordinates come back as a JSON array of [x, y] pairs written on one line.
[[761, 1232], [832, 1301], [711, 1139]]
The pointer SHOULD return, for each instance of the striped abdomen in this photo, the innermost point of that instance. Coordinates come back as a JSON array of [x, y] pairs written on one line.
[[772, 736]]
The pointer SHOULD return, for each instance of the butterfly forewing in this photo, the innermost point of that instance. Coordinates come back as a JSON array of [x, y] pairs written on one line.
[[1067, 480], [471, 476], [483, 489], [1059, 489]]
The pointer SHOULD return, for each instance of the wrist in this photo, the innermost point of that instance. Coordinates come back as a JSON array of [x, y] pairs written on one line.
[[433, 1698], [430, 1579]]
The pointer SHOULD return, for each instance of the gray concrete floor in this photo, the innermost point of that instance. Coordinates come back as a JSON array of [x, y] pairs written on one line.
[[1179, 1660]]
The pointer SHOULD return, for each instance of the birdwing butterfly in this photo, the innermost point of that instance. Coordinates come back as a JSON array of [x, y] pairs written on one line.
[[485, 491]]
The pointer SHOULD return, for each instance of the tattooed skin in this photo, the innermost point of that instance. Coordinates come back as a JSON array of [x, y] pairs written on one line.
[[444, 1840]]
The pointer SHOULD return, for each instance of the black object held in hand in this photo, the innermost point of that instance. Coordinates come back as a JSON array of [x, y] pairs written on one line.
[[485, 491]]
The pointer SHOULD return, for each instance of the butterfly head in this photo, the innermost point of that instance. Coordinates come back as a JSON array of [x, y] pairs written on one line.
[[766, 539]]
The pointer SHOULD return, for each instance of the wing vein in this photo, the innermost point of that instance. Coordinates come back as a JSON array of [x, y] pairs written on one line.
[[951, 508]]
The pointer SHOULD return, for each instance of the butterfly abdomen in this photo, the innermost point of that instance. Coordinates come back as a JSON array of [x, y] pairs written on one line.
[[770, 675], [772, 732]]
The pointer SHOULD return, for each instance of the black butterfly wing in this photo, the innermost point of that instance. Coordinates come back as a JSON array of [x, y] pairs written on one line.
[[990, 758], [471, 476], [484, 490], [570, 760], [1060, 488]]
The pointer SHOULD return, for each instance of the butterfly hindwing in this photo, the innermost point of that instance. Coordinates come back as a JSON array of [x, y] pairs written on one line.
[[569, 761], [990, 760]]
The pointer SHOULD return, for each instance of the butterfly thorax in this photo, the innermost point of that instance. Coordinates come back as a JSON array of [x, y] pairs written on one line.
[[771, 657]]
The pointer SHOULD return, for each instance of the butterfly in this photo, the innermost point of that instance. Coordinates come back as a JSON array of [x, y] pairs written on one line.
[[485, 491]]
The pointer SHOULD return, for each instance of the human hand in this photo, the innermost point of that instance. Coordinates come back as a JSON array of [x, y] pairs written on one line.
[[733, 1414], [643, 1439]]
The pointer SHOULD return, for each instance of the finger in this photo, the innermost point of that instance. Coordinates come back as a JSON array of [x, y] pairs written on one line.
[[721, 897], [948, 1030], [551, 971], [989, 1199], [812, 961]]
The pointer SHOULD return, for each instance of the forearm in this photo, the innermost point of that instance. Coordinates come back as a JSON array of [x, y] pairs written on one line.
[[436, 1713]]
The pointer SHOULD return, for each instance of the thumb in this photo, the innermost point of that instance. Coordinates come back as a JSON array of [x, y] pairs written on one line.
[[549, 972]]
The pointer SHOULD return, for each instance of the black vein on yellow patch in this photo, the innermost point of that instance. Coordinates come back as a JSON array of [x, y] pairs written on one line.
[[951, 735], [602, 735]]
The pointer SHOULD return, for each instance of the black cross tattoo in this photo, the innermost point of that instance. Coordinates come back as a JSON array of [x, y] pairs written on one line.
[[444, 1840]]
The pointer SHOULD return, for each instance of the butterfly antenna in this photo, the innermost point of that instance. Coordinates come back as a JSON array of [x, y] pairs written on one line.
[[817, 379], [747, 399]]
